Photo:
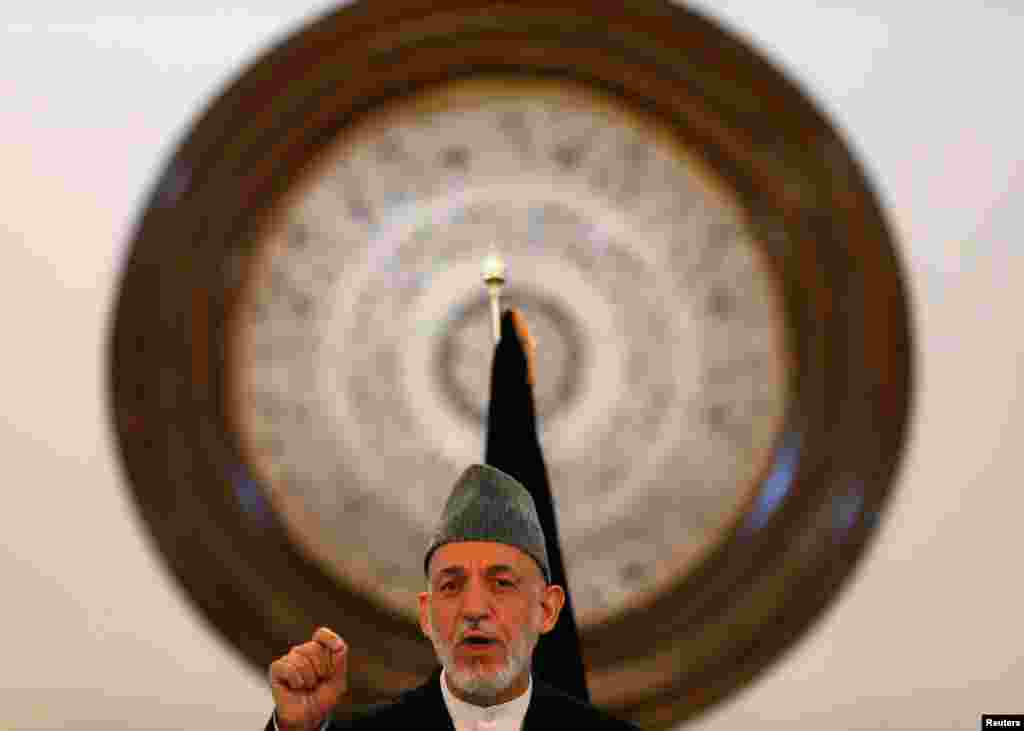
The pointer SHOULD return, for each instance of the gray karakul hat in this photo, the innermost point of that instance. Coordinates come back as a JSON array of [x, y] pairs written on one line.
[[488, 505]]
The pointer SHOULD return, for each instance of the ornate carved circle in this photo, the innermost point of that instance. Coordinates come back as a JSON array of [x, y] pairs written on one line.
[[301, 347]]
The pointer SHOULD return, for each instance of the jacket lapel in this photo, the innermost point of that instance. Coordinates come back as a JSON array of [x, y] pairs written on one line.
[[538, 711], [426, 708]]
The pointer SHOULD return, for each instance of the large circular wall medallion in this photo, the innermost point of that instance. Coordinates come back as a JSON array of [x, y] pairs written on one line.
[[301, 350]]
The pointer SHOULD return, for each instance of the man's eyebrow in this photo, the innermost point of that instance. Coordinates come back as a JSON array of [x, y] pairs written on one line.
[[501, 568]]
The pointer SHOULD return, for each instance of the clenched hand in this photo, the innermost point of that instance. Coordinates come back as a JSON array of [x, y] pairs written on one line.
[[309, 681]]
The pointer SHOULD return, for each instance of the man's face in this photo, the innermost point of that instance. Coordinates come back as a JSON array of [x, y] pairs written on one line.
[[487, 606]]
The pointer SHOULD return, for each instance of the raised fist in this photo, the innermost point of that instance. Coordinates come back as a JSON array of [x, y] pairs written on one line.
[[309, 681]]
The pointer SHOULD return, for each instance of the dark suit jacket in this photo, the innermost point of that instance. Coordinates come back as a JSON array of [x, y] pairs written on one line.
[[424, 708]]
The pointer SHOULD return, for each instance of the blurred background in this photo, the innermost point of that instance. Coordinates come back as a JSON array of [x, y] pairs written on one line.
[[95, 633]]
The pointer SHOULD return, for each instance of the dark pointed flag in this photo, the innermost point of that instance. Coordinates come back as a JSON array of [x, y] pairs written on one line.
[[513, 446]]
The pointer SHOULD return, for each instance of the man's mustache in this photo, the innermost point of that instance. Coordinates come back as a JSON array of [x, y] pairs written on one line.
[[470, 630]]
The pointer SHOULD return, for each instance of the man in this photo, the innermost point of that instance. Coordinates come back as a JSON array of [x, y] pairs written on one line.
[[488, 600]]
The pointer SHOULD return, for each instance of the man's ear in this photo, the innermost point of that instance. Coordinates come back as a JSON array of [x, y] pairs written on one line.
[[424, 601], [552, 601]]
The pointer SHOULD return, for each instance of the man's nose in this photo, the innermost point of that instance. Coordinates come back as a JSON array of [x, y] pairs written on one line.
[[476, 601]]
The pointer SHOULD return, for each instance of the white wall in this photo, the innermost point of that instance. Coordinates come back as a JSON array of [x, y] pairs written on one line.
[[95, 635]]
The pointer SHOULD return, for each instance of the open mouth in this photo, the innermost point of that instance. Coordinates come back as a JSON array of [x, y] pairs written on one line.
[[477, 641]]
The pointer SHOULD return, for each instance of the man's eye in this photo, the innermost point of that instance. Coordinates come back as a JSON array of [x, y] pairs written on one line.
[[448, 586], [507, 583]]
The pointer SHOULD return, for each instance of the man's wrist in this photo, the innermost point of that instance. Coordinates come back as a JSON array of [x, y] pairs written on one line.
[[278, 727]]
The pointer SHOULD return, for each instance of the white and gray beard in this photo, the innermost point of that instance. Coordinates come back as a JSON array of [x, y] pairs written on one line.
[[475, 681]]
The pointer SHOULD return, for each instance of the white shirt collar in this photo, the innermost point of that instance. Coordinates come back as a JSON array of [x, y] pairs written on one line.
[[509, 715]]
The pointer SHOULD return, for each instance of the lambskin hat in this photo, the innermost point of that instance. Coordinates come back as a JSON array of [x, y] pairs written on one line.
[[487, 504]]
